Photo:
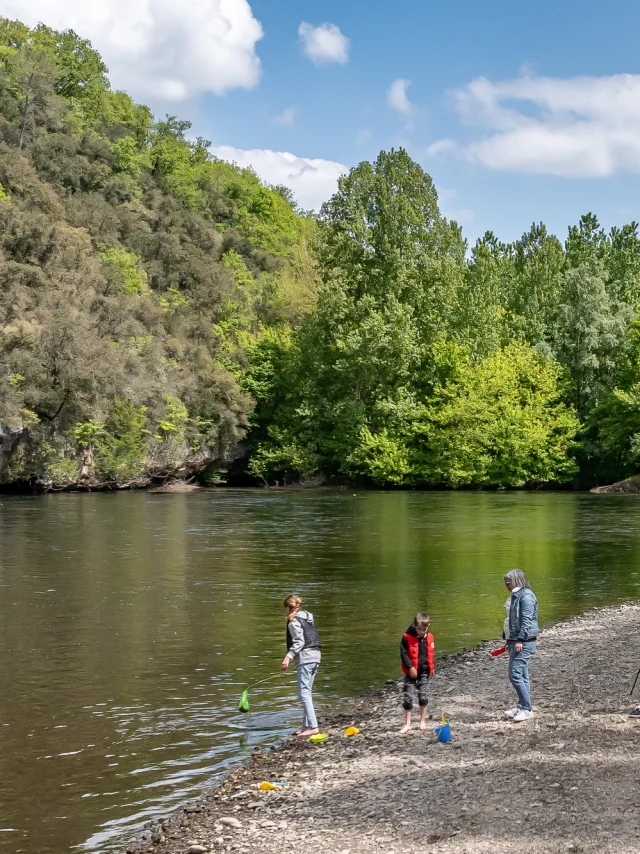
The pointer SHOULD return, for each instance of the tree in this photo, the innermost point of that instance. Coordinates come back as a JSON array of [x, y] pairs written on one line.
[[481, 303], [136, 274], [586, 242], [31, 77], [623, 265], [589, 331], [499, 422], [380, 230], [532, 304], [390, 268]]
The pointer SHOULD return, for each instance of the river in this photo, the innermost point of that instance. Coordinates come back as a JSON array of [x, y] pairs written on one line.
[[130, 624]]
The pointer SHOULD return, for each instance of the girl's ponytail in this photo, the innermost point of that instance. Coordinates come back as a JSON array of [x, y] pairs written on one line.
[[293, 605]]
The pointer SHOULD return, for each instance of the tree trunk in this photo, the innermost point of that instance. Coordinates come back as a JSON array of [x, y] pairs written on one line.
[[23, 123]]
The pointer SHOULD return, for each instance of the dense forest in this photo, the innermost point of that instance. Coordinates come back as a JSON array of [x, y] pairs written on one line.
[[163, 313]]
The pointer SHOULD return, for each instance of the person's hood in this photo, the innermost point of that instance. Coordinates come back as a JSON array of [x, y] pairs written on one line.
[[305, 615]]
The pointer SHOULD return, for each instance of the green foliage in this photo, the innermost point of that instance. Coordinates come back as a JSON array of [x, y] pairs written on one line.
[[499, 422], [618, 424], [589, 330], [534, 334], [89, 434], [383, 457], [129, 157], [613, 437], [136, 271], [389, 267], [284, 458], [121, 449], [123, 270], [175, 418], [158, 306], [381, 233], [233, 262], [173, 301], [61, 470]]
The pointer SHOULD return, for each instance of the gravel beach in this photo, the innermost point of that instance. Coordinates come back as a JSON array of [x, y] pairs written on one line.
[[566, 781]]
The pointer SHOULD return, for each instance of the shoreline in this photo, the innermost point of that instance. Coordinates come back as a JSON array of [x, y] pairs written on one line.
[[566, 781], [177, 486]]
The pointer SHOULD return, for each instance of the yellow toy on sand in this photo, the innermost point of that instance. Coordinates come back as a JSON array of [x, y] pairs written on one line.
[[351, 730]]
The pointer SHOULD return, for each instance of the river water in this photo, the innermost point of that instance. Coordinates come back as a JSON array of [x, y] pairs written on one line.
[[130, 624]]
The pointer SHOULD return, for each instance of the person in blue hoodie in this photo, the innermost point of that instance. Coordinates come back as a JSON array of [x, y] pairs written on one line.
[[521, 632]]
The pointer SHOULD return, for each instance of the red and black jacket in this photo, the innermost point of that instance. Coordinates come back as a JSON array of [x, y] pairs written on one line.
[[418, 652]]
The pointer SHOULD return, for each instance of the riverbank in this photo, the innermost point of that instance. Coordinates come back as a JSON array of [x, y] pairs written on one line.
[[566, 781]]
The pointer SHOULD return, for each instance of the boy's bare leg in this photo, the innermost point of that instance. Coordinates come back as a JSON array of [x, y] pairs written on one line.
[[423, 718], [407, 721]]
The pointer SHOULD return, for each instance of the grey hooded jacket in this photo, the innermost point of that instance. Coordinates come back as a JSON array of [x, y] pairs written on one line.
[[523, 616], [299, 652]]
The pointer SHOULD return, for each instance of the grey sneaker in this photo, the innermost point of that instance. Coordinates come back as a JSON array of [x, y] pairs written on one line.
[[511, 713], [635, 713]]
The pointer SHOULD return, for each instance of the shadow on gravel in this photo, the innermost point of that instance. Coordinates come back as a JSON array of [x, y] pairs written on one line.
[[551, 792]]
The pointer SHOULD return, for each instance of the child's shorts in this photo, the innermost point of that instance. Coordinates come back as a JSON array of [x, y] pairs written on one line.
[[409, 690]]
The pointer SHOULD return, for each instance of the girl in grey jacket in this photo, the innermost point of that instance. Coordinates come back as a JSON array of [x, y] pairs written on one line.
[[303, 649]]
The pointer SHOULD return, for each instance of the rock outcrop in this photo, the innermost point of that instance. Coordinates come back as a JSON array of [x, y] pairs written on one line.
[[629, 486]]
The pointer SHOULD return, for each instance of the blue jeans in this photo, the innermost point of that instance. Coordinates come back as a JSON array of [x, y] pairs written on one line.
[[305, 678], [519, 672]]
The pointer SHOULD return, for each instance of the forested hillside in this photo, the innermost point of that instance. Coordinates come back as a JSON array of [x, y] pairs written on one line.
[[137, 273], [163, 312]]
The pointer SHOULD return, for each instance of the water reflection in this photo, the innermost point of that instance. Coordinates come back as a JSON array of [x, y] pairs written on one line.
[[131, 624]]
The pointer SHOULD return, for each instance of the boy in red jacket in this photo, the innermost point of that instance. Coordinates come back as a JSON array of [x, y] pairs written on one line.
[[417, 654]]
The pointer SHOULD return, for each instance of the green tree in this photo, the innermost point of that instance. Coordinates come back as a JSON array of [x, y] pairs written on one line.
[[623, 265], [390, 267], [481, 313], [499, 422], [533, 300], [586, 243], [121, 450], [589, 331]]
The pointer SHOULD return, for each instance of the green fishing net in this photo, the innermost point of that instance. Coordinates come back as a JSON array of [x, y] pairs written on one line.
[[243, 705]]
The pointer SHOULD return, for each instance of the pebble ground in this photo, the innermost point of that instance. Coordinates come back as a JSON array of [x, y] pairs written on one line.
[[566, 781]]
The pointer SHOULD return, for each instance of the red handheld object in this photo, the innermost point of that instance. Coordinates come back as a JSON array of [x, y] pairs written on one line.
[[496, 652]]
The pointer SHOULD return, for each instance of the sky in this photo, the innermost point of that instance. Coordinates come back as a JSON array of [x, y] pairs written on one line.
[[521, 112]]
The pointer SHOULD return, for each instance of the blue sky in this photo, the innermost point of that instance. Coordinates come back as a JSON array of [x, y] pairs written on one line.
[[521, 112]]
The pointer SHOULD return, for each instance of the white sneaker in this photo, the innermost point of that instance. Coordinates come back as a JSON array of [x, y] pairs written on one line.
[[522, 715], [511, 713]]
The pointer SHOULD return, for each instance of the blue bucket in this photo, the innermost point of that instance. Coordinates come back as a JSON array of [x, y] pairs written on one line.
[[443, 732]]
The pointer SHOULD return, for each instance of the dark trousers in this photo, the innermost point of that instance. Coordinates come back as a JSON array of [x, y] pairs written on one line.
[[409, 691]]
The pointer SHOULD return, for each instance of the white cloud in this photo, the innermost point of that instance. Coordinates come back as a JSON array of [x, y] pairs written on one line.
[[313, 181], [160, 48], [397, 97], [285, 118], [441, 146], [574, 127], [324, 43]]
